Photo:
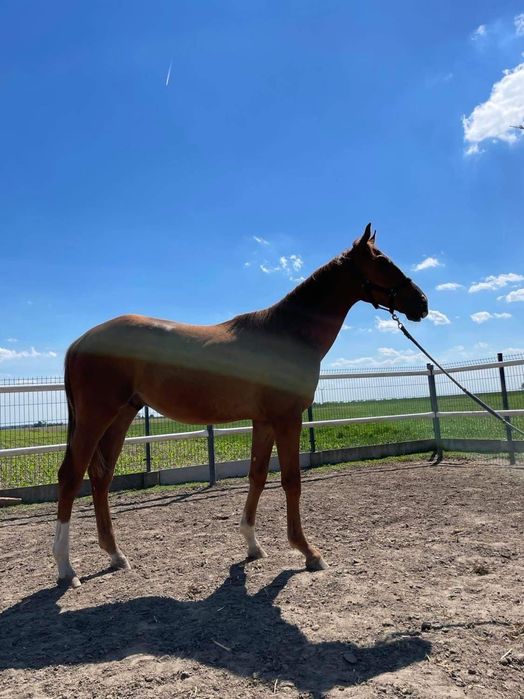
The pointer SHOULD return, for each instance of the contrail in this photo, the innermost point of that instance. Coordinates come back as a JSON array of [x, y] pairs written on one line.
[[169, 73]]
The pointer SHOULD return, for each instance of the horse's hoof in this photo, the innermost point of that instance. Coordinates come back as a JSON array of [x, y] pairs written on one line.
[[316, 564], [119, 561], [71, 581], [257, 553]]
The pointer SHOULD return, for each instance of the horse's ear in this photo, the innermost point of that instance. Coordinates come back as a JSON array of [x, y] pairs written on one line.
[[363, 241]]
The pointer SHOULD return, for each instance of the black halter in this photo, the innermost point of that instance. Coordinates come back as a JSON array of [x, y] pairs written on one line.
[[390, 292]]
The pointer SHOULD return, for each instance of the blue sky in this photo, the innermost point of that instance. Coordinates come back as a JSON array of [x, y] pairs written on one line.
[[282, 130]]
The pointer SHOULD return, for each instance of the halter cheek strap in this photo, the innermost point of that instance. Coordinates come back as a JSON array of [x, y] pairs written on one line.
[[391, 292]]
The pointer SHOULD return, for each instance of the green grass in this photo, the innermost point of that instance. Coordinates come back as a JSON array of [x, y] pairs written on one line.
[[41, 469]]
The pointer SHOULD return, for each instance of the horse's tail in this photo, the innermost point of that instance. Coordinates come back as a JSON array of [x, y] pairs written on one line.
[[71, 421]]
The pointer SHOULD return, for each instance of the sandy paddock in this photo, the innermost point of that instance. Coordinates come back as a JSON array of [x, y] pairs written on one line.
[[424, 596]]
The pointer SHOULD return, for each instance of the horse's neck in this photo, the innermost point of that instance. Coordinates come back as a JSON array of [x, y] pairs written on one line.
[[315, 311]]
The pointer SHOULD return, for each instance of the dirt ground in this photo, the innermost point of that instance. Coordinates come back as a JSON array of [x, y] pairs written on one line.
[[424, 596]]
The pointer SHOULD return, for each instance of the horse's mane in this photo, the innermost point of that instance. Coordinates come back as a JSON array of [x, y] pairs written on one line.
[[289, 313]]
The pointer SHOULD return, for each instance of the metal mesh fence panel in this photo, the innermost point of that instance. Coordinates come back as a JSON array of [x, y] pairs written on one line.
[[371, 396], [232, 447], [515, 387], [29, 470], [486, 384], [32, 418], [170, 454]]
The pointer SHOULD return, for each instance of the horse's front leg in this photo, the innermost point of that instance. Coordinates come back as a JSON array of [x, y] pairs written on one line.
[[288, 443]]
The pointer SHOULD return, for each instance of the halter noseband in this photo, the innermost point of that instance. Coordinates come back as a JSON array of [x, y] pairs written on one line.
[[391, 292]]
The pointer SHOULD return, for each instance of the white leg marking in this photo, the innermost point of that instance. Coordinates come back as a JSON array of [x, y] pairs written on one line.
[[61, 553], [254, 550]]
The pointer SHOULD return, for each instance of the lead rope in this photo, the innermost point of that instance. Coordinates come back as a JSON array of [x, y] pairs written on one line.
[[490, 410]]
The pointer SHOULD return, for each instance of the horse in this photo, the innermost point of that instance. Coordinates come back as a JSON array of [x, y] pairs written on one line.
[[263, 366]]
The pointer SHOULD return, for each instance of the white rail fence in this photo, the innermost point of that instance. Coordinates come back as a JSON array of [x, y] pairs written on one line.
[[510, 445]]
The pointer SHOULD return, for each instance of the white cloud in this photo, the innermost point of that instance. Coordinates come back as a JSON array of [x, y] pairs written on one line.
[[449, 286], [495, 282], [484, 316], [517, 295], [388, 357], [388, 351], [480, 317], [473, 149], [519, 24], [427, 264], [438, 318], [479, 32], [7, 355], [386, 326], [391, 326], [267, 259], [296, 262], [293, 261], [286, 265], [493, 119]]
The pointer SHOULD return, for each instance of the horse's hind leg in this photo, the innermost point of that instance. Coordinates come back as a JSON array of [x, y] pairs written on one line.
[[79, 452], [100, 472], [288, 441], [262, 444]]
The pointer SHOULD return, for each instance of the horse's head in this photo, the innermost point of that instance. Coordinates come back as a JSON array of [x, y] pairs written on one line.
[[383, 283]]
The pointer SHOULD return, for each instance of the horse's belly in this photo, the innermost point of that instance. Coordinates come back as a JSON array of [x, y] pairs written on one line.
[[199, 400]]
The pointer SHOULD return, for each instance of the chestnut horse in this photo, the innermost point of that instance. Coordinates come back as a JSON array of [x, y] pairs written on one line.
[[262, 365]]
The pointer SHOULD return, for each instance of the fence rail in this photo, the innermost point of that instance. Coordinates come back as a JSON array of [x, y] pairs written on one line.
[[351, 408]]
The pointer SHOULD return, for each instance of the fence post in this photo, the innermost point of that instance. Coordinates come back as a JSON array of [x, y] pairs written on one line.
[[505, 405], [312, 445], [434, 408], [211, 454], [147, 433]]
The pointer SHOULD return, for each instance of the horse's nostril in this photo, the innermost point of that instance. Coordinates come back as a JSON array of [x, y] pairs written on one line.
[[424, 314]]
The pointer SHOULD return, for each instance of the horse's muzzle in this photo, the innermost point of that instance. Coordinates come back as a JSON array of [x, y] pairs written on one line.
[[420, 313]]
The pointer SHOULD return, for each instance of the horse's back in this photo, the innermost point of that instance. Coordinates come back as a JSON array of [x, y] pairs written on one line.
[[209, 373]]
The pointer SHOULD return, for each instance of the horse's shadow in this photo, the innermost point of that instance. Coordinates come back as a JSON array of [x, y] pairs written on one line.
[[230, 629]]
